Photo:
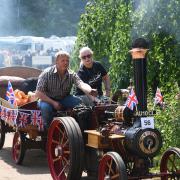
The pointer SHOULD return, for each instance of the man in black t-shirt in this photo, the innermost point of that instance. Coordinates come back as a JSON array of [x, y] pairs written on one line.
[[92, 73]]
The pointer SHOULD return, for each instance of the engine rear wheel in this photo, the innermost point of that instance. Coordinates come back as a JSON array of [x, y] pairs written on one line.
[[65, 149], [170, 164], [18, 147], [2, 133], [112, 167]]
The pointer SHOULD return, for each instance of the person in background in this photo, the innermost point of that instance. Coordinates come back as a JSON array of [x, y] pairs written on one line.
[[54, 87], [92, 73], [27, 59], [1, 60]]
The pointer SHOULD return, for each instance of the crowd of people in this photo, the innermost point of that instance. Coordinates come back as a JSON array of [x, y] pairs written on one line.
[[14, 57]]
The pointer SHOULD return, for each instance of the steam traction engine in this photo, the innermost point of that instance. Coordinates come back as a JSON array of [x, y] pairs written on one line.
[[116, 143]]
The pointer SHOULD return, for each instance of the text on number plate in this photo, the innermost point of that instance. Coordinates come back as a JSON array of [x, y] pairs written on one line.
[[147, 122]]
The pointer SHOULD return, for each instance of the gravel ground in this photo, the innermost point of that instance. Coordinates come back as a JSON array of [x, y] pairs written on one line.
[[34, 166]]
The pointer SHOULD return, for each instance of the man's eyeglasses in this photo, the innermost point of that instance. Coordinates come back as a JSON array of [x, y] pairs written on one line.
[[87, 56]]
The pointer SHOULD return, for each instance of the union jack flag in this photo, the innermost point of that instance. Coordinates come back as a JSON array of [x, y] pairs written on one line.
[[10, 97], [158, 97], [36, 119], [131, 101], [22, 119], [40, 124], [13, 116], [7, 114]]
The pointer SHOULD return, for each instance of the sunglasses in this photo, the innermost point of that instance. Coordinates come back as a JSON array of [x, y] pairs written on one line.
[[87, 56]]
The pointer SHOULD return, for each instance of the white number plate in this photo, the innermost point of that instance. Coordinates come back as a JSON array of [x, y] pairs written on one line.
[[147, 122]]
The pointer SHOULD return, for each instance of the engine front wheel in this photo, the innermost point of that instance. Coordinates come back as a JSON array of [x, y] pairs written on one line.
[[170, 164], [65, 149], [112, 167]]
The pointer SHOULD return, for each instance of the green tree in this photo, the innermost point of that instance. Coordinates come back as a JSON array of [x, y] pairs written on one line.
[[168, 120], [96, 29], [158, 21], [109, 27], [121, 66]]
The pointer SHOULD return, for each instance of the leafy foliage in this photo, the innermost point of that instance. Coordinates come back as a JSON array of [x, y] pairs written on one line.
[[158, 21], [163, 61], [168, 121], [96, 29], [120, 60], [109, 27]]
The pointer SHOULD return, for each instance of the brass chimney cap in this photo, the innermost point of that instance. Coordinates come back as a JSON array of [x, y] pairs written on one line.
[[139, 48], [138, 53]]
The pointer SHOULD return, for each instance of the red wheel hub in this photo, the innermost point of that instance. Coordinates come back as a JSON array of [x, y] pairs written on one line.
[[58, 151]]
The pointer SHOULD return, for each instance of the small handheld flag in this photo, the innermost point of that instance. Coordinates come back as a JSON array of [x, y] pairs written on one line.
[[158, 97], [10, 97], [131, 101]]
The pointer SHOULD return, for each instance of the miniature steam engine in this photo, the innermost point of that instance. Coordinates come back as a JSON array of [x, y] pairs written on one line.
[[128, 141], [129, 132], [110, 141]]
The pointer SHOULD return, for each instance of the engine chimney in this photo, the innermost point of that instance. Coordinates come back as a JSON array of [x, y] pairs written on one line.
[[138, 52]]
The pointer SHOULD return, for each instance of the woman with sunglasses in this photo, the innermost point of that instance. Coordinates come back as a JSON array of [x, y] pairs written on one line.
[[92, 73]]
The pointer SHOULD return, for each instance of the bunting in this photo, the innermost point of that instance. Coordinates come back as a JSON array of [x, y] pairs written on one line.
[[21, 117]]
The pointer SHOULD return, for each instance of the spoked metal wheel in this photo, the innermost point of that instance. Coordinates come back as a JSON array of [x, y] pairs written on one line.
[[18, 147], [170, 164], [112, 167], [65, 149], [2, 133]]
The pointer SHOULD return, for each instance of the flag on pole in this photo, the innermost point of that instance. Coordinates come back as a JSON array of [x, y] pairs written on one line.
[[131, 101], [158, 97], [10, 97]]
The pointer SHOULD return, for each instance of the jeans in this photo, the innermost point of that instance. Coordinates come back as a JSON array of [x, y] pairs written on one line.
[[48, 110], [86, 100]]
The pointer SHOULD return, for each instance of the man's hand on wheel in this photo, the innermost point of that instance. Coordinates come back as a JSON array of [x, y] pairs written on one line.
[[57, 105], [94, 92]]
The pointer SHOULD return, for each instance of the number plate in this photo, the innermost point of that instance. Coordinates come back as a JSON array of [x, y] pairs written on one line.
[[147, 122]]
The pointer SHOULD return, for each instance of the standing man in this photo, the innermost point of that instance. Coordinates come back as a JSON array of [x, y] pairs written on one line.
[[54, 87], [92, 73]]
